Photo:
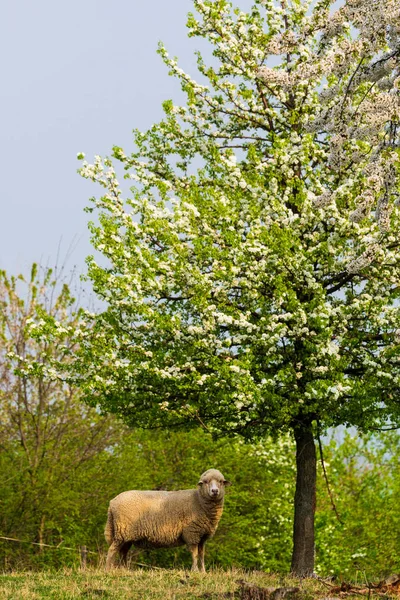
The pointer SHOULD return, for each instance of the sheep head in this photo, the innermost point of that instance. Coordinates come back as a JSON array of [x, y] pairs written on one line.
[[212, 485]]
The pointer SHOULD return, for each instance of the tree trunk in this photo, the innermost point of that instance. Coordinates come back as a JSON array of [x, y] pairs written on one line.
[[304, 502]]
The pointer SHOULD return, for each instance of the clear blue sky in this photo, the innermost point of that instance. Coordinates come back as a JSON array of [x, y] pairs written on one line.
[[76, 76]]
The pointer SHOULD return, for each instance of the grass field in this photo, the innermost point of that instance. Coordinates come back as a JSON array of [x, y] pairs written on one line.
[[162, 585]]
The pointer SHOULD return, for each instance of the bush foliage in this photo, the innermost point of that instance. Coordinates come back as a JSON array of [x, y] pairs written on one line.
[[256, 528]]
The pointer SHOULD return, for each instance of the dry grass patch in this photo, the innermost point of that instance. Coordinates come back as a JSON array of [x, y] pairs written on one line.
[[163, 584]]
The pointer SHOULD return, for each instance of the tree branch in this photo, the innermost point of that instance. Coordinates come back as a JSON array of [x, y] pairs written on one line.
[[326, 476]]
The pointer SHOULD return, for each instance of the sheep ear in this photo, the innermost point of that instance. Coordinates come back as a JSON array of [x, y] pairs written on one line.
[[227, 483], [200, 482]]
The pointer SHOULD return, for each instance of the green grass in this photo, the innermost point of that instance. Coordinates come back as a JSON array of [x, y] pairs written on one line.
[[141, 584]]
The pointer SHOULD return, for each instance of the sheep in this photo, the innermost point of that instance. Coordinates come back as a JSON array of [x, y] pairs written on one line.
[[159, 519]]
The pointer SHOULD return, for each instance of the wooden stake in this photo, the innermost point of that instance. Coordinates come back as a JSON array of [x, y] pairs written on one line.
[[83, 557]]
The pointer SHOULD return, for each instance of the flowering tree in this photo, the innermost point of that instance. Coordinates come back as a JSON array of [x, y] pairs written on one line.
[[252, 276]]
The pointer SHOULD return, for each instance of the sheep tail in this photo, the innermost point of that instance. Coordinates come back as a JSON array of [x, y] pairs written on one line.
[[109, 529]]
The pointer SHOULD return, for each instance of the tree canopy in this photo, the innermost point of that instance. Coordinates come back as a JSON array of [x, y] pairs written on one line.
[[266, 279]]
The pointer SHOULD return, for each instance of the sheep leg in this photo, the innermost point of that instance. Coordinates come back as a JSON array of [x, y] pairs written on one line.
[[194, 550], [124, 552], [113, 550], [202, 547]]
